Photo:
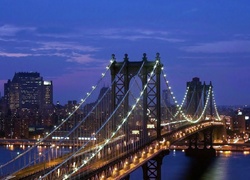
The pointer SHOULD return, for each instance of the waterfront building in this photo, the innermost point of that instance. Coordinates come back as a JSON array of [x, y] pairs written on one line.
[[28, 100], [28, 90], [241, 121], [228, 122], [2, 116]]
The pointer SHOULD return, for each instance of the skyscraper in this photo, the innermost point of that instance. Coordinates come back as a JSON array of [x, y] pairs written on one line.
[[166, 96], [28, 90], [47, 93]]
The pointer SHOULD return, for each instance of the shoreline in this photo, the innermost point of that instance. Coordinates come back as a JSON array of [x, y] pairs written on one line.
[[219, 148]]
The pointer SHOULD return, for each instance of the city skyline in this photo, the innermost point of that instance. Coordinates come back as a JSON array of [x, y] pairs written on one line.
[[71, 42]]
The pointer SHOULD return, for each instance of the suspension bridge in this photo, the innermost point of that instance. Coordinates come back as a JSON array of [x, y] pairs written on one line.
[[118, 128]]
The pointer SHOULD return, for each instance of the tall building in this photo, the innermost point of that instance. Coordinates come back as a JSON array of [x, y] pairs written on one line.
[[2, 116], [47, 93], [28, 90], [166, 95], [241, 122]]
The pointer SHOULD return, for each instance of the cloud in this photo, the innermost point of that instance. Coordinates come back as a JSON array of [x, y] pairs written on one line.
[[131, 34], [7, 40], [137, 34], [18, 55], [138, 37], [111, 31], [62, 46], [19, 47], [69, 51], [82, 58], [74, 57], [10, 30], [72, 51], [234, 46], [6, 54]]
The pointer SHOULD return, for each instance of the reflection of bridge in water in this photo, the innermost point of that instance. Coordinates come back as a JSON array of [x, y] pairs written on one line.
[[130, 125]]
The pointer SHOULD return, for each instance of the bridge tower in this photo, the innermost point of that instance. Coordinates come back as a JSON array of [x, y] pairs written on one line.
[[151, 96], [197, 93], [206, 135]]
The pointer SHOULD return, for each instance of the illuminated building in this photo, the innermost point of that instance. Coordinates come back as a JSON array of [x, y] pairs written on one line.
[[47, 93], [28, 90], [228, 122], [166, 93], [241, 121], [2, 116]]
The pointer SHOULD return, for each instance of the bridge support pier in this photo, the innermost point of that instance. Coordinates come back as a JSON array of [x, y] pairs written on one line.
[[207, 143], [152, 168]]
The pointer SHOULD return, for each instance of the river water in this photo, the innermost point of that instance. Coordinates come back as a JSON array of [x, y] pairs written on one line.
[[177, 166], [225, 166]]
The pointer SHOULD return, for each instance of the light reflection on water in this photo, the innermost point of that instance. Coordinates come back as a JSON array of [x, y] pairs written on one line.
[[34, 156], [9, 152], [225, 166], [177, 166], [217, 169]]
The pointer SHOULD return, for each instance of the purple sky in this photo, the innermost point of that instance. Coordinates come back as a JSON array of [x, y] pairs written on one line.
[[71, 42]]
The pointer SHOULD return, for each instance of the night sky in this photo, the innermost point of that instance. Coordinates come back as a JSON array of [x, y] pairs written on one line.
[[71, 42]]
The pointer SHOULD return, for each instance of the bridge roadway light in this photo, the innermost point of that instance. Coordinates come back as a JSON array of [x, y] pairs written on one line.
[[127, 165], [65, 176], [144, 154]]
